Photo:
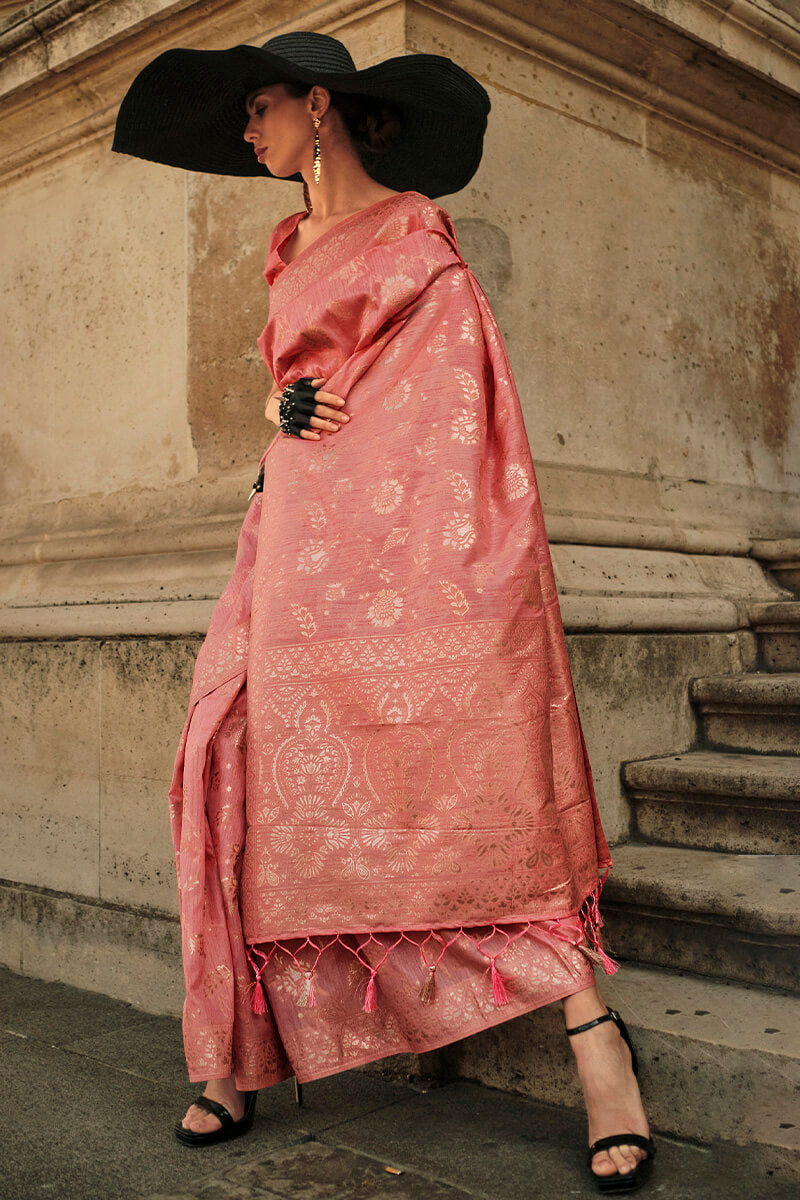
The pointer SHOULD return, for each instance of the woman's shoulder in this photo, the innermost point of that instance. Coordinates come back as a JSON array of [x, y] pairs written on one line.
[[418, 204], [407, 213], [281, 225]]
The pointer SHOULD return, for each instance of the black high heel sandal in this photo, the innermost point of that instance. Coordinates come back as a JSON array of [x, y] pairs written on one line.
[[641, 1172], [228, 1127]]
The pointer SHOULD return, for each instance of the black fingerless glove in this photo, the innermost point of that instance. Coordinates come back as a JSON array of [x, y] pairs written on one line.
[[296, 408]]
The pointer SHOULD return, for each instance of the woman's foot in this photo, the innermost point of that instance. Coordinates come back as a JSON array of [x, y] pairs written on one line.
[[610, 1090], [224, 1092]]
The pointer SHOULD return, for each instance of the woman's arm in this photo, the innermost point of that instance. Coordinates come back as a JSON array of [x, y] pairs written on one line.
[[271, 409], [326, 417]]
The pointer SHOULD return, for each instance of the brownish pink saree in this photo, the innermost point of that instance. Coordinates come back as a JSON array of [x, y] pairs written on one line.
[[383, 815]]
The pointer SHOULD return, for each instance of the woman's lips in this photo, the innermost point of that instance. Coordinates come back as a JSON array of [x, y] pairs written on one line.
[[260, 151]]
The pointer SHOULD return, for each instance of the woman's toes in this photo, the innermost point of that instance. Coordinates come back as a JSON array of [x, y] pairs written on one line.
[[199, 1121], [628, 1156], [619, 1160], [602, 1164], [622, 1159]]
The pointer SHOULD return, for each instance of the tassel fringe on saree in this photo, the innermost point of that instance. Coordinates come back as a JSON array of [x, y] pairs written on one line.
[[385, 827]]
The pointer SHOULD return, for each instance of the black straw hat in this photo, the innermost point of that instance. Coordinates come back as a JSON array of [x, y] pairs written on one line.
[[187, 109]]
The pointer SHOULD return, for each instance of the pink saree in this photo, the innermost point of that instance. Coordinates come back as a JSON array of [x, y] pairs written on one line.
[[385, 827]]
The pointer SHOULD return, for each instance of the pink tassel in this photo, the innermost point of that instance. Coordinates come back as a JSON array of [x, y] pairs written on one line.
[[427, 992], [259, 1004], [592, 923], [370, 1002], [498, 986], [307, 998], [609, 966]]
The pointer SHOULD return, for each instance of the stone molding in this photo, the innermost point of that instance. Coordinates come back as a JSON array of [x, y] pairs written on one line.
[[82, 568], [640, 512], [601, 588]]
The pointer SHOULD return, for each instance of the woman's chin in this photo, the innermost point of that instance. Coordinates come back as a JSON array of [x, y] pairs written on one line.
[[278, 172]]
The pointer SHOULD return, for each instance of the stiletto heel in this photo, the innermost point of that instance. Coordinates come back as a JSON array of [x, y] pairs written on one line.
[[642, 1170], [228, 1127]]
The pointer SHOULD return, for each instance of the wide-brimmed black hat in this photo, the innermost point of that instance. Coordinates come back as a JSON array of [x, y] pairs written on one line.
[[187, 109]]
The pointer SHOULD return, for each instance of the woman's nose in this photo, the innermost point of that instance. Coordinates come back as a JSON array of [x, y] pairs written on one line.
[[249, 133]]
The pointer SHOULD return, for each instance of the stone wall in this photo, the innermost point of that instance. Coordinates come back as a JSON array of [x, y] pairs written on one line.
[[634, 223]]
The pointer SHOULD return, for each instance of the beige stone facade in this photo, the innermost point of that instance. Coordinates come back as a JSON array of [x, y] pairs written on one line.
[[635, 223]]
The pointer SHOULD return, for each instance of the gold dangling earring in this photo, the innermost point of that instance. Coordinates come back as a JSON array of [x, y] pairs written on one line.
[[317, 157]]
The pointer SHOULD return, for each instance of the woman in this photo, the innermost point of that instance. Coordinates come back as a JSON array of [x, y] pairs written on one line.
[[383, 816]]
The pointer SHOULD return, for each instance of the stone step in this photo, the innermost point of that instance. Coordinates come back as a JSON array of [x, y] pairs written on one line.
[[781, 556], [713, 800], [735, 916], [777, 627], [719, 1061], [758, 713]]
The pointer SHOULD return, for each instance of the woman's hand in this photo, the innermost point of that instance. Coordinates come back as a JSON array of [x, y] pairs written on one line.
[[327, 412]]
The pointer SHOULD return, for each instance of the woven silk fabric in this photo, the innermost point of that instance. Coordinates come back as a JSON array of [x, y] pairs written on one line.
[[414, 759], [433, 987]]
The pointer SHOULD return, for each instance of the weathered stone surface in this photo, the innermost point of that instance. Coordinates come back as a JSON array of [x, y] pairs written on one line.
[[757, 713], [11, 927], [227, 381], [633, 701], [717, 801], [145, 687], [145, 619], [89, 732], [96, 405], [717, 1060], [736, 916], [316, 1172], [782, 558], [778, 630], [50, 743], [130, 954]]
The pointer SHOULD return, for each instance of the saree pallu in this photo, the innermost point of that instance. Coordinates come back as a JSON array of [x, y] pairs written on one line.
[[383, 815]]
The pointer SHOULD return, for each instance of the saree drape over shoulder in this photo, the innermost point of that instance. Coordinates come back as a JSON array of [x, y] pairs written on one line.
[[383, 814]]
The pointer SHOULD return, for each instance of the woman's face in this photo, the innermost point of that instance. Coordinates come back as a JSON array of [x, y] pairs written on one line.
[[281, 129]]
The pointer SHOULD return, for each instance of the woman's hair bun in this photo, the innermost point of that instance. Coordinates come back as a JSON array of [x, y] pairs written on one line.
[[374, 125], [380, 129]]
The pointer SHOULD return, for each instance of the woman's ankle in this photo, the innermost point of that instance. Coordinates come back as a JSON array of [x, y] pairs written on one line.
[[585, 1005]]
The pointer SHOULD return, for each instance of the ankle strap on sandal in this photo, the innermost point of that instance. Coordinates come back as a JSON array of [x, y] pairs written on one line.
[[609, 1016]]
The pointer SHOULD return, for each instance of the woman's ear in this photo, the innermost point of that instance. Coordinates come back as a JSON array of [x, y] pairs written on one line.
[[319, 101]]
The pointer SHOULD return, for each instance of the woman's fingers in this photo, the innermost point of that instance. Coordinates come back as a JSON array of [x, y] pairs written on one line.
[[325, 416], [330, 414], [330, 398]]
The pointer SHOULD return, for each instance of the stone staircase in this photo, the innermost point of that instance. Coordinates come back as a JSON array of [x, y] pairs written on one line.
[[705, 901], [702, 907]]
